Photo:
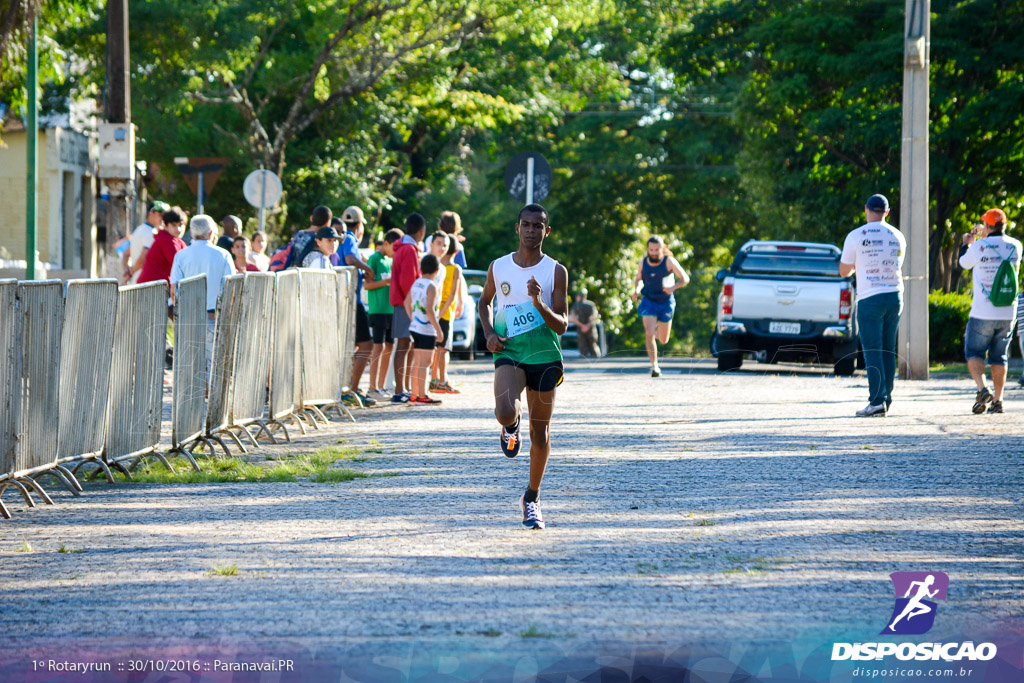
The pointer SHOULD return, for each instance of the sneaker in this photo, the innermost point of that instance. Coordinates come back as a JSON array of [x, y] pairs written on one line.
[[655, 371], [510, 443], [984, 396], [367, 401], [532, 519], [401, 397], [872, 411], [433, 385], [445, 388], [996, 407], [424, 401], [379, 394], [351, 399]]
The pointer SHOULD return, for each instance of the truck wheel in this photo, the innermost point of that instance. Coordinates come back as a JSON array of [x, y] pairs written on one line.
[[846, 366], [731, 360]]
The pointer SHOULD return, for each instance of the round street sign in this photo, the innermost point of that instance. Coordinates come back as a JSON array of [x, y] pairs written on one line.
[[262, 189], [516, 180]]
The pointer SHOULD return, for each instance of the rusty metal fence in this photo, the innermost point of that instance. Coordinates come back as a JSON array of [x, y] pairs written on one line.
[[188, 393], [90, 310]]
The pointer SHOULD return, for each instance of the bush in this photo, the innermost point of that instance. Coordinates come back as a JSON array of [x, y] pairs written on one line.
[[947, 318]]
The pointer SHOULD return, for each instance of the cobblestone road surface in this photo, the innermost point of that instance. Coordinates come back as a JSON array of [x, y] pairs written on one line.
[[695, 506]]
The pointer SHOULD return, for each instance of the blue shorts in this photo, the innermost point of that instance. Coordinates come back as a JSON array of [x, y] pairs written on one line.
[[992, 336], [662, 311]]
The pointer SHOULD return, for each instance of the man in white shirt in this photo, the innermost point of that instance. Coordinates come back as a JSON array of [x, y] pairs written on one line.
[[140, 242], [203, 258], [875, 251], [989, 327]]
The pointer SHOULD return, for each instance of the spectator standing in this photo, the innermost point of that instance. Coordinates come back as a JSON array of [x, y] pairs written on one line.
[[875, 251], [354, 222], [232, 226], [421, 305], [240, 252], [141, 240], [201, 257], [381, 312], [405, 270], [257, 254], [583, 314], [989, 327], [451, 223], [166, 244], [304, 240], [449, 278], [325, 245]]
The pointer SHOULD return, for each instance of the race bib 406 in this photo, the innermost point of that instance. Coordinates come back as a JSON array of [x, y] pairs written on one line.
[[522, 318]]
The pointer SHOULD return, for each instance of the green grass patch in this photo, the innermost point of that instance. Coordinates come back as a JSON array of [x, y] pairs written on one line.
[[491, 633], [949, 368], [337, 475], [705, 522], [534, 632], [23, 547], [225, 570], [65, 549]]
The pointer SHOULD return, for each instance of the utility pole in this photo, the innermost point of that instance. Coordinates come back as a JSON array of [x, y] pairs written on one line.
[[913, 334], [32, 152], [118, 110]]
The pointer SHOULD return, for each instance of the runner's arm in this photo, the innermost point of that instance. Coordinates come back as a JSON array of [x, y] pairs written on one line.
[[485, 309], [555, 316], [677, 269], [638, 279]]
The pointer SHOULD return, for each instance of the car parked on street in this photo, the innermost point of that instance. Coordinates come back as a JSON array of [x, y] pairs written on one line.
[[785, 301]]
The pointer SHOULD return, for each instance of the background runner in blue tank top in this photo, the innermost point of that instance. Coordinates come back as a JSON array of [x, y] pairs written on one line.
[[661, 275], [526, 355]]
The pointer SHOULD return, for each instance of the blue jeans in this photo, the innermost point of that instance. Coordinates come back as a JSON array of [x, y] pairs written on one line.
[[878, 318]]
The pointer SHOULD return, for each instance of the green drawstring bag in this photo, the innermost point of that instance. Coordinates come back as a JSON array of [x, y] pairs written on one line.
[[1004, 287]]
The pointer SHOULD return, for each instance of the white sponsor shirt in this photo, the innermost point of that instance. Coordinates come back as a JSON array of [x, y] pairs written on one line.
[[877, 250], [983, 258], [141, 239]]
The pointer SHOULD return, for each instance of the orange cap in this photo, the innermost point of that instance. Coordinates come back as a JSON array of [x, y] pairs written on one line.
[[993, 216]]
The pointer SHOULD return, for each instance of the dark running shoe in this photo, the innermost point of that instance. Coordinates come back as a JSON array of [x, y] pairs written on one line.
[[532, 519], [655, 371], [984, 396], [996, 407], [402, 397], [424, 401], [510, 441]]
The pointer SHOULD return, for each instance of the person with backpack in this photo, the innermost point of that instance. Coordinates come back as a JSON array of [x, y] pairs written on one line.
[[304, 242], [994, 259]]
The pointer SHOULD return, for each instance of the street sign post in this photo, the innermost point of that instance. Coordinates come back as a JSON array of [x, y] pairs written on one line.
[[262, 189], [528, 177], [195, 168]]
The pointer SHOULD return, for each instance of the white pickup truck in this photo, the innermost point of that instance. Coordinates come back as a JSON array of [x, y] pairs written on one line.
[[785, 301]]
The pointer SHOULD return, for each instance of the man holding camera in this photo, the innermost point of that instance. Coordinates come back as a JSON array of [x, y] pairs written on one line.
[[990, 326]]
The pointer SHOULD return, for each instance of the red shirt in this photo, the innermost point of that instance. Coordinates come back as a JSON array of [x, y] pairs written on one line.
[[160, 257], [405, 270], [248, 267]]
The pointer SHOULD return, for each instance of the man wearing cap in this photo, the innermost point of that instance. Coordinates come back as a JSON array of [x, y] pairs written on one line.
[[876, 251], [354, 222], [989, 327], [327, 239], [140, 242]]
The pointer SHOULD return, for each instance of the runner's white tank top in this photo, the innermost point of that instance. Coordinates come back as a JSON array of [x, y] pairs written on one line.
[[538, 345]]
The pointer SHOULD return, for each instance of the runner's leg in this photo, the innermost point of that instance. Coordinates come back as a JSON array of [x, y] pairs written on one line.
[[541, 405], [509, 382], [664, 330], [650, 330]]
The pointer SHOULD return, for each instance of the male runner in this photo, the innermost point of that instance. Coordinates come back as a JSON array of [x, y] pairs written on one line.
[[526, 291], [657, 303]]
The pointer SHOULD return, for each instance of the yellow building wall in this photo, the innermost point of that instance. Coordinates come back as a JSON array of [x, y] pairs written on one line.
[[13, 176]]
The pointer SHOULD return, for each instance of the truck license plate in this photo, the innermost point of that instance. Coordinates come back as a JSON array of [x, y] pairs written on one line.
[[784, 328]]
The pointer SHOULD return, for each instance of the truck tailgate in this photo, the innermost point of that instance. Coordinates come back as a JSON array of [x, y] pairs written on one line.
[[769, 299]]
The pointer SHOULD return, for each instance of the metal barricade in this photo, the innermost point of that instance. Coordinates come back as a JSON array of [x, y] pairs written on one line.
[[318, 333], [188, 395], [285, 376], [252, 355], [11, 357], [347, 301], [135, 409], [86, 352], [229, 312], [40, 315]]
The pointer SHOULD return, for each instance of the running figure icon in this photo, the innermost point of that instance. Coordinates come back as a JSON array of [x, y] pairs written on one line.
[[915, 607]]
